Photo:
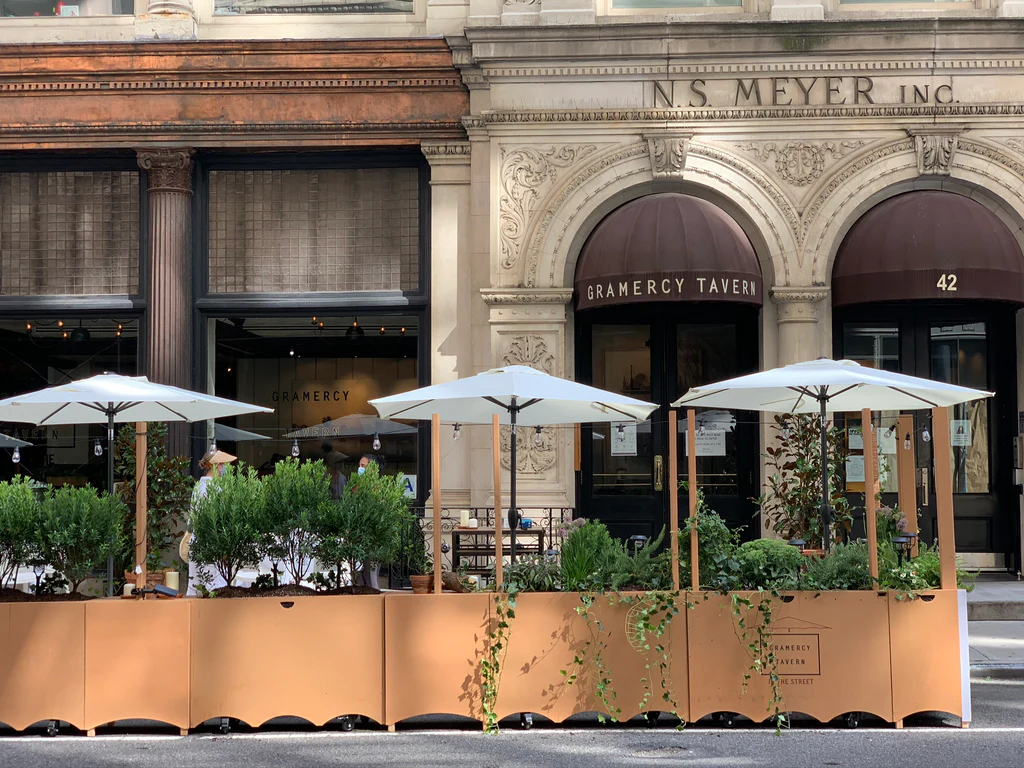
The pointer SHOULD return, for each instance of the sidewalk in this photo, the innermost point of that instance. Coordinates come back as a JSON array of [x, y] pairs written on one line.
[[995, 628]]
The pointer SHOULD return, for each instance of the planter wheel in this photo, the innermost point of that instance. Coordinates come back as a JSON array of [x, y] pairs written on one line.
[[851, 719], [347, 722], [53, 728], [725, 719], [525, 720], [225, 725], [651, 718]]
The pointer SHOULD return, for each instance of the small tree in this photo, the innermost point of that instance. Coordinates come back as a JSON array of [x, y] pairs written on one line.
[[19, 519], [226, 522], [792, 499], [365, 527], [292, 498], [78, 530]]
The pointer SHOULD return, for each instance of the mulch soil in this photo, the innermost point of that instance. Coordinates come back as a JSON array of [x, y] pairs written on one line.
[[11, 595], [290, 590]]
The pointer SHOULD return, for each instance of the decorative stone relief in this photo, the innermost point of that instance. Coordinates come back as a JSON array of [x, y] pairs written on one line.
[[935, 151], [438, 152], [800, 162], [798, 305], [531, 350], [668, 154], [170, 170], [531, 459], [526, 172]]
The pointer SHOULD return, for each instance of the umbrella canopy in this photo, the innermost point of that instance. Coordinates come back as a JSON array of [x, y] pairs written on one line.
[[127, 398], [822, 385], [519, 395], [843, 384], [222, 433], [6, 441], [353, 425]]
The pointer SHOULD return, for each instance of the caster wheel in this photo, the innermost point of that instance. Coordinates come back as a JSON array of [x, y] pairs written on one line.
[[225, 725], [52, 728], [851, 720], [726, 719], [526, 721], [651, 718], [347, 723]]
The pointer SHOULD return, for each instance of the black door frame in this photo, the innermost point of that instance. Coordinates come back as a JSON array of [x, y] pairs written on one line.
[[914, 320], [663, 320]]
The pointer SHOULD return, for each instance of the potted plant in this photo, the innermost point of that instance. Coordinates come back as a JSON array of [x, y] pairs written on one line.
[[414, 552], [19, 516]]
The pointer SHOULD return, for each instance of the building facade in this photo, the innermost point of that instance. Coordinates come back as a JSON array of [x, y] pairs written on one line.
[[644, 198]]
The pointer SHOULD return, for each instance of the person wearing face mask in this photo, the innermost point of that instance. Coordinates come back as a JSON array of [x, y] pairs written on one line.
[[369, 574], [215, 464]]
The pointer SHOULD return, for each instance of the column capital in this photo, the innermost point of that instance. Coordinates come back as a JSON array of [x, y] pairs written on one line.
[[446, 152], [798, 304], [170, 170]]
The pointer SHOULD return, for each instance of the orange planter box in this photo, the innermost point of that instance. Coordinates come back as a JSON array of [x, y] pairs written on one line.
[[317, 658]]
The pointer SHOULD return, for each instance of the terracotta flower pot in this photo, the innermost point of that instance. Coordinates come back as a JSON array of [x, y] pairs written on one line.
[[421, 584]]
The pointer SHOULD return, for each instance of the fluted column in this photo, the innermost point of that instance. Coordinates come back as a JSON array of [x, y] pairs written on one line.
[[169, 314], [798, 323]]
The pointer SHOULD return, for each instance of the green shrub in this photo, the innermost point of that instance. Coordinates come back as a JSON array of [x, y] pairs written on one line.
[[19, 519], [716, 549], [78, 530], [586, 547], [226, 522], [366, 526], [768, 564], [530, 574], [414, 547], [642, 569], [921, 572], [292, 497], [845, 567]]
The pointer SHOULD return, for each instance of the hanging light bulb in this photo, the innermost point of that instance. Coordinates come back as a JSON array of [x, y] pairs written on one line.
[[402, 331], [60, 323], [97, 448], [926, 435], [538, 437], [701, 431], [906, 442], [376, 442], [313, 322], [291, 353], [28, 327], [382, 330], [621, 434], [457, 432], [890, 431], [213, 447], [16, 455], [295, 449]]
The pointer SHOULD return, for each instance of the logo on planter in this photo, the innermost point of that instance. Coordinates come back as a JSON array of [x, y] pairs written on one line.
[[797, 647]]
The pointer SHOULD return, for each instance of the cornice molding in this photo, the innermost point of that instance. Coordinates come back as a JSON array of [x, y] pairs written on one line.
[[503, 296], [791, 295], [446, 152]]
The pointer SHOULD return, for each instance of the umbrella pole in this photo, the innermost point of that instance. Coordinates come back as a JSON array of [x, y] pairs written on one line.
[[673, 495], [141, 522], [110, 489], [870, 489], [496, 449], [513, 510], [435, 440], [826, 511]]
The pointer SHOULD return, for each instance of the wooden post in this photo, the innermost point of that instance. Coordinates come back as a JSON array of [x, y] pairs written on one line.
[[942, 451], [870, 489], [673, 494], [435, 491], [141, 506], [691, 483], [577, 445], [906, 470], [499, 554]]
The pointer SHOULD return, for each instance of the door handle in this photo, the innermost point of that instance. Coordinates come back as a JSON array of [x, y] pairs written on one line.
[[657, 472], [924, 486]]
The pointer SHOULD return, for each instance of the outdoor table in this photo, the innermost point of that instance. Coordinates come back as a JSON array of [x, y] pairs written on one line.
[[480, 543]]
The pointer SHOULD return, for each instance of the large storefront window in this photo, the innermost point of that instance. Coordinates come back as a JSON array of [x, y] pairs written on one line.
[[36, 353], [318, 374], [29, 8]]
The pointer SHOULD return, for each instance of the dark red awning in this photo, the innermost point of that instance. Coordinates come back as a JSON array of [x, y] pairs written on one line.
[[667, 247], [928, 245]]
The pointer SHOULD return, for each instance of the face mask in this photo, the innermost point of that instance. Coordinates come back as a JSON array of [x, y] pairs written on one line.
[[361, 470]]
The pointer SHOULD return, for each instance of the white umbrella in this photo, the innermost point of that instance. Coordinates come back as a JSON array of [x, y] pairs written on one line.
[[6, 441], [353, 425], [224, 433], [110, 398], [519, 396], [822, 385]]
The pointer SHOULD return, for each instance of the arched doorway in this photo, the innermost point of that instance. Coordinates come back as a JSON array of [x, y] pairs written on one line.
[[928, 283], [668, 295]]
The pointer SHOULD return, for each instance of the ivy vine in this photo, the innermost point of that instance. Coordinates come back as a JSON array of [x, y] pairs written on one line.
[[759, 643], [649, 620], [494, 658]]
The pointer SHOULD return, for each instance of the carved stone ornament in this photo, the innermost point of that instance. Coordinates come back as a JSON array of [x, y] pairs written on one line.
[[668, 154], [531, 459], [526, 173], [170, 170], [798, 304], [935, 149], [502, 296], [532, 350], [438, 152], [800, 162]]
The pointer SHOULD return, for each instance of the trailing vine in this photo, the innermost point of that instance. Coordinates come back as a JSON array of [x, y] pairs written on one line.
[[494, 658], [761, 648], [649, 619], [595, 645]]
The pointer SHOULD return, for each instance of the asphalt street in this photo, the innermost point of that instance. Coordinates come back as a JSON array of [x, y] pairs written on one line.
[[994, 740]]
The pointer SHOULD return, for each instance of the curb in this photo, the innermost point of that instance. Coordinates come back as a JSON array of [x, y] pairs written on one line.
[[995, 671]]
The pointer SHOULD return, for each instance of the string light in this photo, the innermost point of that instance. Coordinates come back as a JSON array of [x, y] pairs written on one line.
[[28, 327], [891, 431], [64, 334], [621, 434], [376, 442], [97, 448], [457, 432], [906, 442], [382, 330], [313, 322], [213, 447], [291, 353], [538, 437], [926, 435], [295, 449], [701, 431], [60, 323], [16, 455], [402, 332]]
